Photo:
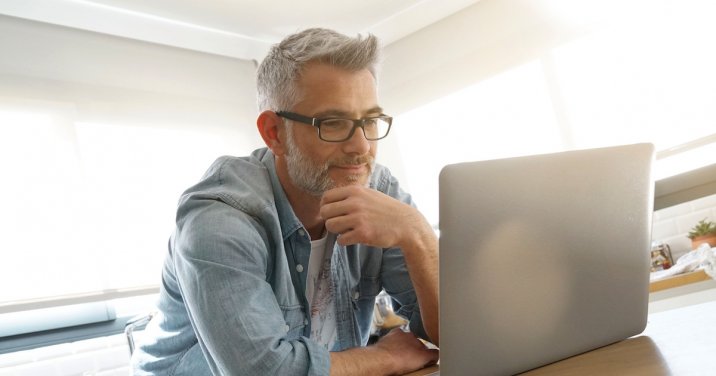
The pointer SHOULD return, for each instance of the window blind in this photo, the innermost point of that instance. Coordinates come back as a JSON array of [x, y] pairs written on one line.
[[99, 136]]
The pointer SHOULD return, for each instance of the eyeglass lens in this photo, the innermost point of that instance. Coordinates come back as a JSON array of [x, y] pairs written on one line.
[[340, 129]]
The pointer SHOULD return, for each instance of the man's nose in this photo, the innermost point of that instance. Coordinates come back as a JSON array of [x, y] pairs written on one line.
[[357, 144]]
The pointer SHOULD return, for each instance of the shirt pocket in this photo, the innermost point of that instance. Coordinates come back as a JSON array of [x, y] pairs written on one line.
[[368, 288], [295, 321]]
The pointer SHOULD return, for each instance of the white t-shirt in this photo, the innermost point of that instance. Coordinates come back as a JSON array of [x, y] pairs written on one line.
[[320, 294]]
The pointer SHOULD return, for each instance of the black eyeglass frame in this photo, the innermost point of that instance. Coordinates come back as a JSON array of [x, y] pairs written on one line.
[[316, 122]]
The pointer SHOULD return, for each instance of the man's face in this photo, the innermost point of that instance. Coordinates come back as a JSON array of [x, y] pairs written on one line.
[[315, 166], [313, 176]]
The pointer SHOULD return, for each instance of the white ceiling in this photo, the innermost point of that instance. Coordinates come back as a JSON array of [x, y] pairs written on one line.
[[238, 28]]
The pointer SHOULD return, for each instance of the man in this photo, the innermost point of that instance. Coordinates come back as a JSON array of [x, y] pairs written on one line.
[[277, 258]]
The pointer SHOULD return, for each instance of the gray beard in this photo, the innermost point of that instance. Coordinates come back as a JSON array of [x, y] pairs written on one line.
[[311, 178]]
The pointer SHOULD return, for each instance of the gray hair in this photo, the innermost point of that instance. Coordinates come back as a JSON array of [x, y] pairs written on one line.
[[277, 75]]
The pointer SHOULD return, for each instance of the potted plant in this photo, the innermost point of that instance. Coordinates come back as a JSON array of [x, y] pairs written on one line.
[[703, 232]]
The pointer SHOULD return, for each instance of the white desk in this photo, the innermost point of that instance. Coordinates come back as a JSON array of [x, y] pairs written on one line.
[[676, 342]]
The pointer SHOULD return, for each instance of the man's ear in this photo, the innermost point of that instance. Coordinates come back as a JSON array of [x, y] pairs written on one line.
[[269, 125]]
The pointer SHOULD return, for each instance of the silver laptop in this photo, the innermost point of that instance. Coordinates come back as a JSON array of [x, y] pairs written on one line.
[[542, 257]]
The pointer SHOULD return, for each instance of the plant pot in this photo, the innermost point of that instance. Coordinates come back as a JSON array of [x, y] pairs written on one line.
[[710, 239]]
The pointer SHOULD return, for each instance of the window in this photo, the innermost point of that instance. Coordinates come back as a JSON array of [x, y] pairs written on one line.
[[630, 81], [96, 146], [506, 115]]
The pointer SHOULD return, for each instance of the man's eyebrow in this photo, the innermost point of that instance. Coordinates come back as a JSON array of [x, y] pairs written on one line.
[[375, 110], [344, 114]]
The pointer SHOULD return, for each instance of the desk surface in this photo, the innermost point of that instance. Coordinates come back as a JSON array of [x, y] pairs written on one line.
[[676, 342]]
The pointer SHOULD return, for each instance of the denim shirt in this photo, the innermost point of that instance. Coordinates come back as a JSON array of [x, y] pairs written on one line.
[[232, 299]]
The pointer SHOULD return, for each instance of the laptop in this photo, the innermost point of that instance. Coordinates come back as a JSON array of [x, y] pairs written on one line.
[[542, 257]]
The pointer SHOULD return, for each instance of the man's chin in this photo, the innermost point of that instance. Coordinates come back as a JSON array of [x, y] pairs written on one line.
[[356, 179]]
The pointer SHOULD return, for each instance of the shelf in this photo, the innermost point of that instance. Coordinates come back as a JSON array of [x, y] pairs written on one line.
[[679, 280]]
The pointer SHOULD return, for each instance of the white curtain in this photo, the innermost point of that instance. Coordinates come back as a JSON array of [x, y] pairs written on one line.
[[98, 138]]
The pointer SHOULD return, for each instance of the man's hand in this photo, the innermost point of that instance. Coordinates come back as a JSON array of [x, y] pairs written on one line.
[[396, 353], [408, 352], [362, 215]]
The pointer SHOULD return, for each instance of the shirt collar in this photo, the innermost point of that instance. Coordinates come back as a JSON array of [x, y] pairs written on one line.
[[287, 218]]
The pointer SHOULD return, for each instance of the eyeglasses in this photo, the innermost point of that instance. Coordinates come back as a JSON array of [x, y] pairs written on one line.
[[339, 130]]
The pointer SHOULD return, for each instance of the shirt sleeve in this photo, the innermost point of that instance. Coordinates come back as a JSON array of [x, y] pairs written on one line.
[[223, 262]]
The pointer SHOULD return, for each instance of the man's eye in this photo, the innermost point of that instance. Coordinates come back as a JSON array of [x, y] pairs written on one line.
[[372, 122], [336, 123]]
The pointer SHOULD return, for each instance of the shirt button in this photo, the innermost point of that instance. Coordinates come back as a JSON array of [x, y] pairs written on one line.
[[305, 321], [301, 232], [356, 295], [299, 268], [286, 328]]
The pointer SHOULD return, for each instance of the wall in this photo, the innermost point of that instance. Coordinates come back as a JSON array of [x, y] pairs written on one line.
[[478, 42]]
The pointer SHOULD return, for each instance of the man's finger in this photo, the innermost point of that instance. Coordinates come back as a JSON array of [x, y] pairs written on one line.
[[338, 225], [340, 193], [334, 210]]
